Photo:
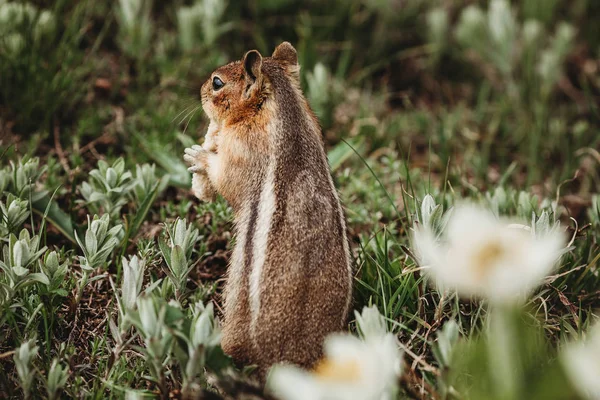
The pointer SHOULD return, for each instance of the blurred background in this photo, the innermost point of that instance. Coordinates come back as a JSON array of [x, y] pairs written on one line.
[[505, 85], [497, 102]]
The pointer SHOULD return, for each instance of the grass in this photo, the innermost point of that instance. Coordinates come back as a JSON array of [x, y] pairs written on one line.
[[416, 98]]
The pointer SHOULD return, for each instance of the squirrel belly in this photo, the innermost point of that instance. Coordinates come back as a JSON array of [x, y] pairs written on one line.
[[289, 281]]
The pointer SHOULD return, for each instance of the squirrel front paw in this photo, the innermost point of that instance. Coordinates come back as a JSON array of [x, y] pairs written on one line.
[[197, 157]]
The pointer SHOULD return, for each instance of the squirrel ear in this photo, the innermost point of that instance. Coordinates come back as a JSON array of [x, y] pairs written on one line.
[[287, 53], [252, 64]]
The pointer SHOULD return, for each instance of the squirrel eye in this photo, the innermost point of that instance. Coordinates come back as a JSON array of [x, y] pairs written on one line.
[[217, 83]]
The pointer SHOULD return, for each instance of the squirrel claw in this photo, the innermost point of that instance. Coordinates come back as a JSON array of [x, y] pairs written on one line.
[[188, 158], [196, 156]]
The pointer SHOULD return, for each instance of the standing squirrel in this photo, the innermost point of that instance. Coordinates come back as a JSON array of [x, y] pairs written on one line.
[[289, 280]]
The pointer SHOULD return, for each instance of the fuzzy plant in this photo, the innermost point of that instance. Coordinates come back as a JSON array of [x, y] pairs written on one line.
[[107, 189], [14, 16], [58, 375], [136, 27], [97, 245], [514, 48], [152, 320], [13, 213], [20, 177], [197, 347], [177, 253], [200, 24], [19, 256], [23, 358]]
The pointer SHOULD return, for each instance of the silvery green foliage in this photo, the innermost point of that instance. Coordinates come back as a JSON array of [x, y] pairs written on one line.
[[319, 88], [511, 47], [545, 224], [499, 201], [131, 395], [23, 357], [552, 58], [5, 179], [370, 323], [16, 15], [12, 214], [144, 182], [431, 212], [511, 202], [155, 320], [437, 30], [135, 26], [204, 335], [471, 30], [150, 323], [133, 278], [594, 211], [55, 271], [57, 378], [502, 29], [443, 351], [99, 242], [431, 215], [492, 36], [18, 178], [201, 23], [177, 252], [204, 330], [107, 190], [526, 204], [447, 338], [532, 33], [19, 254]]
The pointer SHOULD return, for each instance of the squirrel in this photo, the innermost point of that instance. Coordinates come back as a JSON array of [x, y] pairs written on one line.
[[289, 281]]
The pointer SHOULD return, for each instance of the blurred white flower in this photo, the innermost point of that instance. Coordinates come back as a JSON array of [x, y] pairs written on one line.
[[371, 323], [482, 255], [352, 368], [582, 364]]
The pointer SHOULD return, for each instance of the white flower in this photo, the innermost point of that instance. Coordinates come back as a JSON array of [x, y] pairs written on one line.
[[582, 364], [352, 369], [485, 256]]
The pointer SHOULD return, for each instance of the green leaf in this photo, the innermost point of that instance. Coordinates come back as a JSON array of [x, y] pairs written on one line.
[[178, 173], [56, 216], [143, 209], [39, 277], [20, 271], [342, 151], [178, 262]]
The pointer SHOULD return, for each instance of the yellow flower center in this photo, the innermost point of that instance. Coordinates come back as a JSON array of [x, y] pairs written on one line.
[[328, 370], [487, 256]]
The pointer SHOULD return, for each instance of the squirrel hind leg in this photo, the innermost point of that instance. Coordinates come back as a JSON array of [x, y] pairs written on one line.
[[278, 341], [235, 338]]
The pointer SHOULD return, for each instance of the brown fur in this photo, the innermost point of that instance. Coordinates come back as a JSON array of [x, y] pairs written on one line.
[[267, 129]]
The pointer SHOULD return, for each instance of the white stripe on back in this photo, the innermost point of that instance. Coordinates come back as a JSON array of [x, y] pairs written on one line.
[[266, 208]]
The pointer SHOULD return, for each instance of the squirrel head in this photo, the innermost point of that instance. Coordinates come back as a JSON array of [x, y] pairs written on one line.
[[241, 90]]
